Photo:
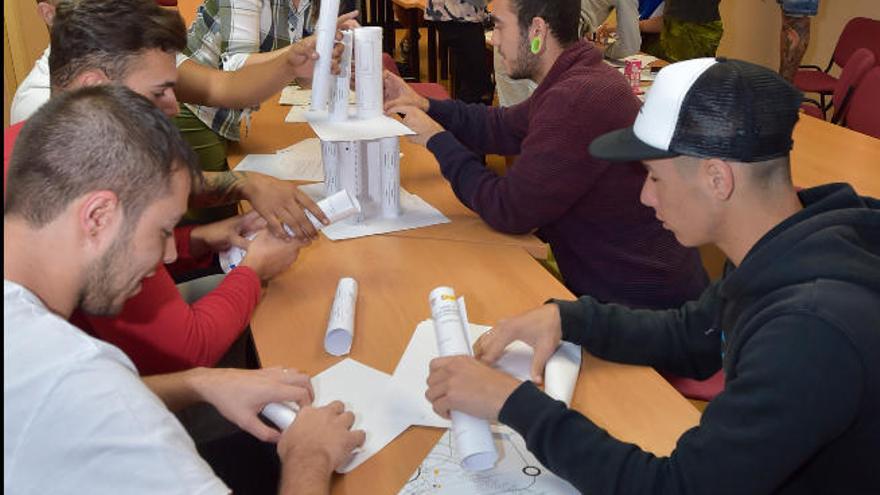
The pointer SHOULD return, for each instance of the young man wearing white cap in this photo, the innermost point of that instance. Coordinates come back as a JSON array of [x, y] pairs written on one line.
[[793, 322]]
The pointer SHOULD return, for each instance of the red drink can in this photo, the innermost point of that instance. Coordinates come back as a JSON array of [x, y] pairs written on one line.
[[633, 74]]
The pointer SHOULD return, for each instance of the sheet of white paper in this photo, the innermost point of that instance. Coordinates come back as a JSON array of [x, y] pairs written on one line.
[[302, 161], [517, 471], [264, 164], [356, 129], [297, 96], [411, 372], [414, 213], [380, 409], [298, 113]]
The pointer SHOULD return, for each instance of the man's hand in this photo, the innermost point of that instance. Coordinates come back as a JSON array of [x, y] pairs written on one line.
[[417, 120], [462, 383], [398, 93], [222, 235], [540, 328], [280, 202], [268, 255], [302, 54], [318, 442], [239, 395]]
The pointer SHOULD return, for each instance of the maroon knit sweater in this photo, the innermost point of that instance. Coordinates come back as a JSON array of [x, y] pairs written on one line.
[[608, 245]]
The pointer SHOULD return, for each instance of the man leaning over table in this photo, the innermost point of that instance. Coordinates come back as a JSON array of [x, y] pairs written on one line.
[[793, 322], [102, 176], [606, 243], [277, 201]]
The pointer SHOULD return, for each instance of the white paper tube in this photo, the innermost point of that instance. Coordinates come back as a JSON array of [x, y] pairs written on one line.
[[472, 436], [390, 200], [372, 150], [342, 82], [330, 160], [368, 71], [336, 207], [325, 32], [340, 326], [351, 173], [281, 415], [561, 372]]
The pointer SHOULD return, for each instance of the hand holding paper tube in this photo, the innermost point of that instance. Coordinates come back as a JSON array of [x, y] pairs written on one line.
[[472, 436], [337, 207]]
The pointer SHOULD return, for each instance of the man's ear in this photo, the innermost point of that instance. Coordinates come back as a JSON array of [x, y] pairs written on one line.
[[100, 215], [90, 77], [718, 177], [47, 12], [538, 29]]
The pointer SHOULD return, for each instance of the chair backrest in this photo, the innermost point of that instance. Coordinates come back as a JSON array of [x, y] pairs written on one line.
[[864, 105], [859, 32], [857, 66], [389, 64]]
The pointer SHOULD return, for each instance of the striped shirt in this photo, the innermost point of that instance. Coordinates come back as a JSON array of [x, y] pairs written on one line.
[[226, 32]]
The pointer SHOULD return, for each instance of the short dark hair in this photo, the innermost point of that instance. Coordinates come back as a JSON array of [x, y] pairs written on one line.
[[107, 35], [562, 16], [104, 137]]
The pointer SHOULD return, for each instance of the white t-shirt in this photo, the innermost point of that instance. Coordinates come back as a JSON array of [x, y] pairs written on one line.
[[32, 92], [78, 419]]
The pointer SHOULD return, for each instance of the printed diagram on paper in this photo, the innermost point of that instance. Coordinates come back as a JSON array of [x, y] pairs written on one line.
[[517, 471]]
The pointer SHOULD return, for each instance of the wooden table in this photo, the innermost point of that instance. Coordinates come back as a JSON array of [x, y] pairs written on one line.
[[395, 275], [419, 175], [824, 152]]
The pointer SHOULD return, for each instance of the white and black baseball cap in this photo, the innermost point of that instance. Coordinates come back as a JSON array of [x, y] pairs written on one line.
[[709, 108]]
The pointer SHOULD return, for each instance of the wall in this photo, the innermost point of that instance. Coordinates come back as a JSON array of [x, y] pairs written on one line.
[[24, 38], [751, 29]]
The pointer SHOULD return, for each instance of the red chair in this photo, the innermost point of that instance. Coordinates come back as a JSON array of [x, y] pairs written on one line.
[[864, 105], [167, 3], [859, 32], [428, 90], [705, 390], [859, 63]]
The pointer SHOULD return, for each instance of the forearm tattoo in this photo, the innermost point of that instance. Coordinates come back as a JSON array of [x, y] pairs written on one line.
[[793, 41]]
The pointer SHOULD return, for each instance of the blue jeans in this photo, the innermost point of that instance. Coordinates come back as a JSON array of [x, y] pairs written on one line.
[[799, 8]]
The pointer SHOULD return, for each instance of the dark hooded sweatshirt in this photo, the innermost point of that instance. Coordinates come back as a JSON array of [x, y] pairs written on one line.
[[796, 328]]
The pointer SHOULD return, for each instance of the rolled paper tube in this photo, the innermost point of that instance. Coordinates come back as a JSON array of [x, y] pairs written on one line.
[[281, 415], [325, 32], [368, 71], [471, 435], [342, 82], [561, 372], [340, 326], [330, 160], [390, 197]]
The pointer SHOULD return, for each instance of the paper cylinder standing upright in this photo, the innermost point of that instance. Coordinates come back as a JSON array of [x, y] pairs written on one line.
[[325, 33], [472, 436], [390, 174], [330, 160], [368, 71], [341, 89]]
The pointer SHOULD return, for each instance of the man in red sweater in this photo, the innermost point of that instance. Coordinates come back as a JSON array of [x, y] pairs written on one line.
[[157, 329], [607, 244]]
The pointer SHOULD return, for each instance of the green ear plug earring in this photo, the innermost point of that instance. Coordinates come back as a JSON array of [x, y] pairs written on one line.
[[535, 45]]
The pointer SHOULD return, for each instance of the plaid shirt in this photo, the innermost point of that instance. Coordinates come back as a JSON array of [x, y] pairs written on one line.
[[226, 32]]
